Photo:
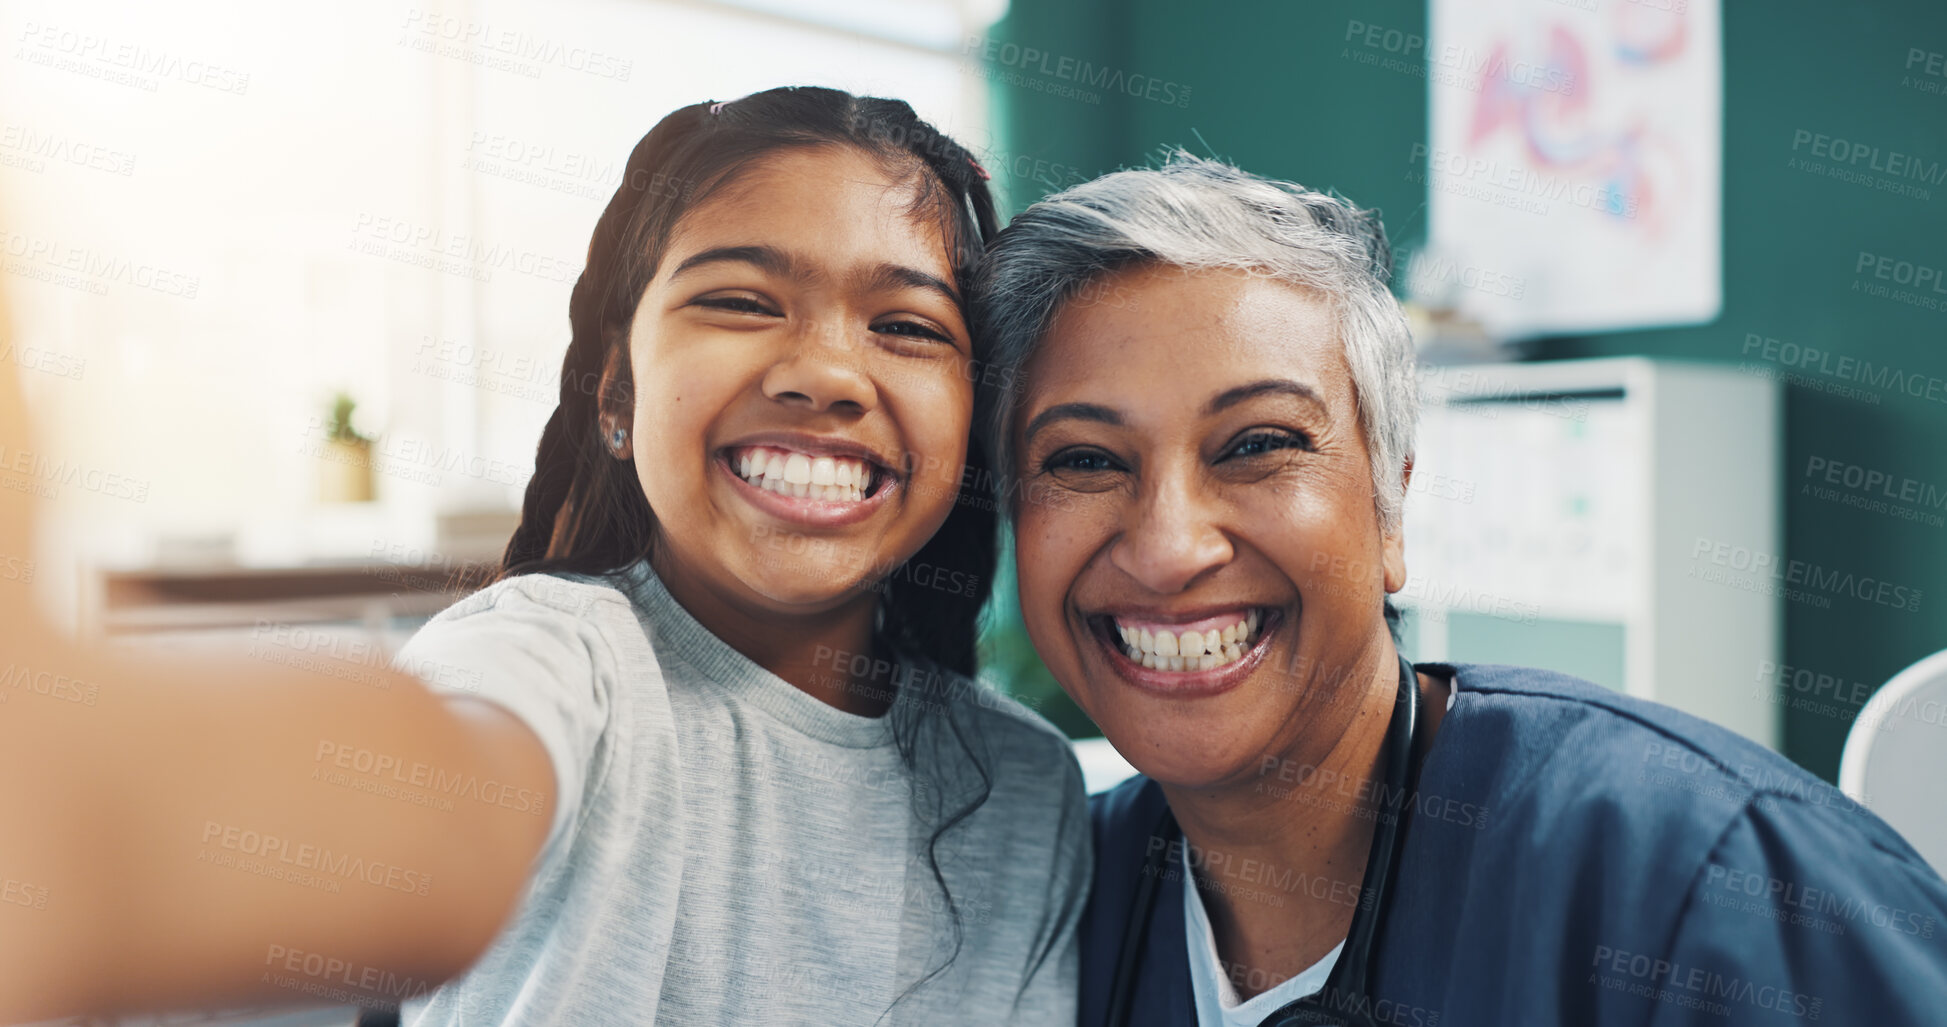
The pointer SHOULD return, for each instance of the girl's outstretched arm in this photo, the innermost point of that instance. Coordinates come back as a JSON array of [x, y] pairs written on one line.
[[185, 833]]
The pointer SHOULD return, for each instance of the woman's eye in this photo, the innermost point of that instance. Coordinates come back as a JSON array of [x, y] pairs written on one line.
[[735, 304], [1078, 461], [1258, 443], [1084, 469]]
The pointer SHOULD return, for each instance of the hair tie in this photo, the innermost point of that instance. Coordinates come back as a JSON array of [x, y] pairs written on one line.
[[718, 106], [984, 176]]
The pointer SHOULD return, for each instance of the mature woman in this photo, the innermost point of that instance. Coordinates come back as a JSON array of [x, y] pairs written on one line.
[[1208, 442]]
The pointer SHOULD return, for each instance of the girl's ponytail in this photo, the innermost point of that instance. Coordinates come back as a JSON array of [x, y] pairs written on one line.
[[582, 510]]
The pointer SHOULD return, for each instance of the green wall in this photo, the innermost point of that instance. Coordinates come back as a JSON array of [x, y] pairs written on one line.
[[1277, 87]]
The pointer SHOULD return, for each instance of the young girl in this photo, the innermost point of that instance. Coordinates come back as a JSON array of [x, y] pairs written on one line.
[[759, 753], [737, 620]]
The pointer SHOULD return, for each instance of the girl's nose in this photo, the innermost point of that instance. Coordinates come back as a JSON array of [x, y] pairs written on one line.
[[821, 371]]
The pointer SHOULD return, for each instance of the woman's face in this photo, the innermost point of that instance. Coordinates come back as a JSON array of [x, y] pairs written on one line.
[[802, 398], [1197, 482]]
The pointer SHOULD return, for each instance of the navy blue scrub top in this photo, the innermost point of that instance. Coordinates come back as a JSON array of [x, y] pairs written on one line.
[[1575, 856]]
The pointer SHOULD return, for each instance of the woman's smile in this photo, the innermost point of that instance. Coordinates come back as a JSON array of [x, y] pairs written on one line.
[[1185, 654]]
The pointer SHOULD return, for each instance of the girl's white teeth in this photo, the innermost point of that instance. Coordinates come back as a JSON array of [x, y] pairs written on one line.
[[1191, 650], [834, 479]]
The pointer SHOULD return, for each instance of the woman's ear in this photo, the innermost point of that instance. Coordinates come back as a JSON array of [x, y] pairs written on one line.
[[1393, 546], [615, 402]]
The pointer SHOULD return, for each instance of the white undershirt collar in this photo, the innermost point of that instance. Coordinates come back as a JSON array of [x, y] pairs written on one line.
[[1217, 1002]]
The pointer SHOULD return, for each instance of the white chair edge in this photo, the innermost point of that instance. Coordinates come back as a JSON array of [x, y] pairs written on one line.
[[1857, 754]]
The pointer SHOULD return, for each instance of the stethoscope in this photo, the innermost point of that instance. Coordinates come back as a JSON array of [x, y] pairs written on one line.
[[1345, 999]]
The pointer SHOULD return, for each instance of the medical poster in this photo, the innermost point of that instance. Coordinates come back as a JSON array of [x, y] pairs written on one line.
[[1573, 164]]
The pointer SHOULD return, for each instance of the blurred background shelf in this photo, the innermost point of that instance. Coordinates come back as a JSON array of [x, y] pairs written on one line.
[[162, 600]]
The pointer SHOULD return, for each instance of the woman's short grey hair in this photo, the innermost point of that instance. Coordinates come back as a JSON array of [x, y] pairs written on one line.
[[1199, 215]]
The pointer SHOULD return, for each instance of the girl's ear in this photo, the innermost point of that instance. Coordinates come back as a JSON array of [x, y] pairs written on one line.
[[615, 401]]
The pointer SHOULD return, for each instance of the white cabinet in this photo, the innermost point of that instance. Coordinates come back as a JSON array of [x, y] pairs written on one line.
[[1575, 515]]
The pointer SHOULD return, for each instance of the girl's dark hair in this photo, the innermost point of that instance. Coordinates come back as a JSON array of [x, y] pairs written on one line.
[[585, 513]]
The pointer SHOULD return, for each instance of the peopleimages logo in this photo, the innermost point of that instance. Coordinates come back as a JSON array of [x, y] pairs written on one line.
[[1690, 986], [1457, 65], [1070, 69], [1901, 272], [1844, 368], [1753, 571], [1925, 70], [1434, 273], [313, 866], [40, 473], [434, 248], [1875, 491], [417, 774], [26, 148], [507, 49], [340, 980], [46, 361], [1823, 902], [1513, 185], [94, 267], [1921, 285], [123, 63], [1872, 158]]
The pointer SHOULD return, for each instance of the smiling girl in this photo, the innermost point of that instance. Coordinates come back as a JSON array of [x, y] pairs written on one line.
[[773, 802], [736, 621]]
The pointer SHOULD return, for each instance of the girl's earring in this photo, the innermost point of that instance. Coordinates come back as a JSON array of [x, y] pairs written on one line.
[[618, 438]]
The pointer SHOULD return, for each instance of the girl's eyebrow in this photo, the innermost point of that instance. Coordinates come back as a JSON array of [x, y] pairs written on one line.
[[890, 277], [765, 258], [885, 277]]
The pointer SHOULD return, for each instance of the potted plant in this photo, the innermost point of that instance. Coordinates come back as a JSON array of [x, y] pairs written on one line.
[[345, 473]]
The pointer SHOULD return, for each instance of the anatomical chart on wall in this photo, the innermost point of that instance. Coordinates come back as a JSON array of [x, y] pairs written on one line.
[[1574, 163]]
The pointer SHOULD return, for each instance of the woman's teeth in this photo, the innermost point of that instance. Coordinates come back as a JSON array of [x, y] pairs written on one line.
[[788, 473], [1161, 649]]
